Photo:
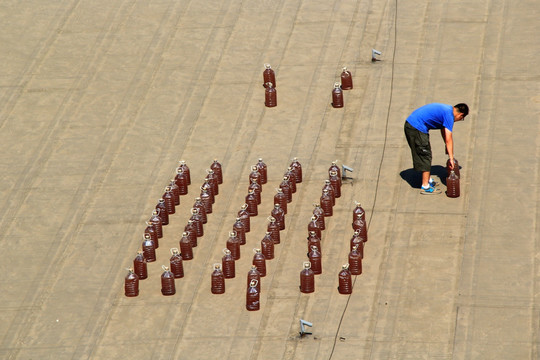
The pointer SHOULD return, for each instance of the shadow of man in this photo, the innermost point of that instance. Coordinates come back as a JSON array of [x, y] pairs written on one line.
[[414, 178]]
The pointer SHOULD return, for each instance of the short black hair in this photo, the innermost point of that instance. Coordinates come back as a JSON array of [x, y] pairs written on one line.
[[462, 108]]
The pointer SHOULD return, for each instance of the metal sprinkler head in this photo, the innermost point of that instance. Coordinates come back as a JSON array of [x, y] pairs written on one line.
[[374, 54], [303, 329]]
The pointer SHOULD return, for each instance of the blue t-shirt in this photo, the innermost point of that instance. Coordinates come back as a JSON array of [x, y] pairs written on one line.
[[432, 116]]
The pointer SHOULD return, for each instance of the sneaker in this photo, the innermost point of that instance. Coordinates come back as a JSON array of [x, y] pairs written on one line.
[[430, 191], [433, 183]]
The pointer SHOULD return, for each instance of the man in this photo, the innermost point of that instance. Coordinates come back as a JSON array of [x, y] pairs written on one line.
[[417, 126]]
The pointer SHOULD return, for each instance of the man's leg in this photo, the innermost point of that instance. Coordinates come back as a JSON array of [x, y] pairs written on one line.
[[421, 154], [425, 179]]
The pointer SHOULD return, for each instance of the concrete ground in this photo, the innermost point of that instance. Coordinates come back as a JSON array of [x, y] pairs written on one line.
[[100, 99]]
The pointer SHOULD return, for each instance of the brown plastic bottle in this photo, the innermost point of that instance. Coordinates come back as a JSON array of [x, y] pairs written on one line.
[[269, 76], [356, 240], [206, 200], [337, 96], [281, 199], [278, 214], [185, 246], [255, 174], [243, 214], [168, 196], [285, 186], [149, 248], [253, 274], [273, 229], [292, 178], [358, 223], [238, 228], [456, 167], [307, 279], [181, 181], [361, 226], [233, 244], [358, 210], [452, 185], [270, 96], [185, 169], [335, 180], [251, 201], [197, 220], [177, 267], [259, 261], [313, 240], [218, 170], [319, 220], [345, 280], [218, 280], [315, 259], [263, 171], [176, 192], [155, 219], [140, 266], [319, 213], [162, 212], [210, 189], [326, 203], [212, 179], [257, 189], [167, 282], [191, 229], [355, 261], [297, 167], [131, 284], [267, 246], [252, 296], [198, 204], [152, 232], [346, 79], [313, 226], [335, 167], [227, 263], [328, 186]]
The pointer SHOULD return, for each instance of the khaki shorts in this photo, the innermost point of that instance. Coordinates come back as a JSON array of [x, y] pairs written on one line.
[[420, 148]]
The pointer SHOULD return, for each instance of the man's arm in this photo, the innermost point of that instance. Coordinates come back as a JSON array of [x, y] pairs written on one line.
[[449, 141]]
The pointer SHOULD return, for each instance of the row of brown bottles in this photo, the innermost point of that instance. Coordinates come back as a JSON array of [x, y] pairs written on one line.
[[160, 216], [332, 190], [314, 249], [237, 237], [270, 96], [346, 84], [276, 224], [356, 254], [241, 226], [154, 227], [194, 228], [307, 279]]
